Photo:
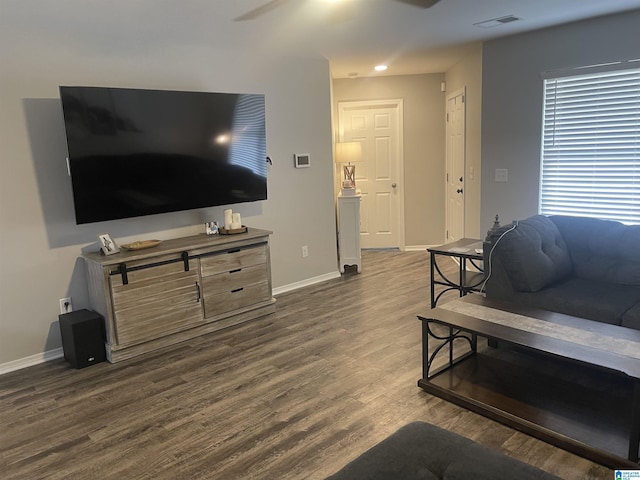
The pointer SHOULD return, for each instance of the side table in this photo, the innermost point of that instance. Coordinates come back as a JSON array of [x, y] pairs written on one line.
[[349, 231], [465, 250]]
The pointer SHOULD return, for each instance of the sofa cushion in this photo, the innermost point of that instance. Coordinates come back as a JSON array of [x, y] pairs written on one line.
[[534, 254], [578, 297], [631, 318], [602, 250]]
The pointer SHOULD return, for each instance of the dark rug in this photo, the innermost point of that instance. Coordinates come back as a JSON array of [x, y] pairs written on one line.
[[426, 452]]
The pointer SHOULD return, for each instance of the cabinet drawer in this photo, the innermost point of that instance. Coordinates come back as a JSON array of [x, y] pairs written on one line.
[[235, 289], [233, 259], [236, 299], [228, 281]]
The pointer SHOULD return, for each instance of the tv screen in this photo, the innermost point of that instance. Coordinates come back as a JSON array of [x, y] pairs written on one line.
[[139, 152]]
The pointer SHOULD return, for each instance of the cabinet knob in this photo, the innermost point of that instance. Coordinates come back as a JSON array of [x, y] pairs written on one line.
[[394, 185]]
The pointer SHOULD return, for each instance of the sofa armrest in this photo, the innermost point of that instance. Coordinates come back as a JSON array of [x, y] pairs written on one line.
[[497, 283]]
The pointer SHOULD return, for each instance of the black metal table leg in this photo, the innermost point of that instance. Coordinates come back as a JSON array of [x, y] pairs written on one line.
[[425, 350], [433, 285], [463, 251], [428, 358]]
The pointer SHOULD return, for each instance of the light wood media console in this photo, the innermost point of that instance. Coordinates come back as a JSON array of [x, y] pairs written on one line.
[[180, 289]]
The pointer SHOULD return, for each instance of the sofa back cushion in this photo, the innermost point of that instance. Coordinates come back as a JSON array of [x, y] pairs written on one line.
[[534, 254], [602, 250]]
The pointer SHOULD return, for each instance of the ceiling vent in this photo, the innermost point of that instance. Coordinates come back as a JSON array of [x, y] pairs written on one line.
[[496, 22]]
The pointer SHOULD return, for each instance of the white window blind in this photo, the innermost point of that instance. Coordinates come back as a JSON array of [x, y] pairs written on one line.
[[591, 146]]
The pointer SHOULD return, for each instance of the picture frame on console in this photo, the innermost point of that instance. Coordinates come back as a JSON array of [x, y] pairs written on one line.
[[107, 245]]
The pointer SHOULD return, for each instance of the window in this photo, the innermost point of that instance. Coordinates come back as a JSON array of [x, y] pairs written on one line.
[[591, 146]]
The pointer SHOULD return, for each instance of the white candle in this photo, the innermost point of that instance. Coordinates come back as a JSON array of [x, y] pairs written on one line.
[[228, 218], [235, 219]]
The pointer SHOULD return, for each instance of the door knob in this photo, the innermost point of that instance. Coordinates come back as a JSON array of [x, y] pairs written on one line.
[[459, 190], [393, 185]]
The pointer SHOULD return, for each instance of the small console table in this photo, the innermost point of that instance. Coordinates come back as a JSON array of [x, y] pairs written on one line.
[[349, 232], [465, 250]]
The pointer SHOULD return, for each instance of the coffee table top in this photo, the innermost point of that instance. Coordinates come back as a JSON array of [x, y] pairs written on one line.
[[590, 342]]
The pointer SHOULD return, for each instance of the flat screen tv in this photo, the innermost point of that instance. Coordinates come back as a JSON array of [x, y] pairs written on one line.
[[136, 152]]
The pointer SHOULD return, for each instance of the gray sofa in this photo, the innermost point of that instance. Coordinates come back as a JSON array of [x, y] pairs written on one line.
[[421, 451], [579, 266]]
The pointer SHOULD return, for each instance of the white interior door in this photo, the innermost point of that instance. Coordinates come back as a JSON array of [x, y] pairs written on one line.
[[455, 168], [378, 126]]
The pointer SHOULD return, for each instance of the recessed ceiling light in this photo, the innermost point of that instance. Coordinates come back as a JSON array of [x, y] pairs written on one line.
[[380, 68]]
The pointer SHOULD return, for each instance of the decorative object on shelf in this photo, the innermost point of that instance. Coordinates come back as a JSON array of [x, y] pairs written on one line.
[[348, 192], [232, 221], [228, 218], [211, 228], [232, 231], [493, 229], [141, 244], [107, 245], [236, 222], [348, 153]]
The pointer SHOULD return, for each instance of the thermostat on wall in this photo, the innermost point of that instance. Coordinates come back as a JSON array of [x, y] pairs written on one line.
[[301, 160]]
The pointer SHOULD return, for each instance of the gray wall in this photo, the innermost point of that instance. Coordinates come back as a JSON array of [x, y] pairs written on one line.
[[424, 146], [40, 243], [512, 101]]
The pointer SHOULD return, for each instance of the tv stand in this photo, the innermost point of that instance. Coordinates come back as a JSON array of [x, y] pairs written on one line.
[[181, 289]]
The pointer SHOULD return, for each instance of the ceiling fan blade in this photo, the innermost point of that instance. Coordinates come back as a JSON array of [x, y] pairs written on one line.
[[420, 3], [261, 10]]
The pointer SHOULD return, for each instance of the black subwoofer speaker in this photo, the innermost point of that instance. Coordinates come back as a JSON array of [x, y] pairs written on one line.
[[82, 338]]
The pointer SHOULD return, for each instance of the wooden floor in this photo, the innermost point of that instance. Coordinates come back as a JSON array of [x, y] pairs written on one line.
[[296, 394]]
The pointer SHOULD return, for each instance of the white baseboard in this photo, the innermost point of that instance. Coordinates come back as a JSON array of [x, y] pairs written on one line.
[[305, 283], [31, 360], [416, 248], [58, 352]]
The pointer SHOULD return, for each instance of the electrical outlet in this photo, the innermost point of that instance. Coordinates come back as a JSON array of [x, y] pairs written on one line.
[[501, 175], [65, 305], [305, 251]]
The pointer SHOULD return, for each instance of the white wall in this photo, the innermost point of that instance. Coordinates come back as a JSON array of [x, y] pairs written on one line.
[[512, 101], [40, 244]]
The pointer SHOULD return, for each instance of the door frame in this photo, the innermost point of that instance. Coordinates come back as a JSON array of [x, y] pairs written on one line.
[[447, 228], [373, 104]]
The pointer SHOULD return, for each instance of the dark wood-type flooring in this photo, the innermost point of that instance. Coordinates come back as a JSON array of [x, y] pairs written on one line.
[[294, 395]]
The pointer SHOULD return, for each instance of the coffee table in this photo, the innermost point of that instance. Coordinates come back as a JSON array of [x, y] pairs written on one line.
[[571, 382]]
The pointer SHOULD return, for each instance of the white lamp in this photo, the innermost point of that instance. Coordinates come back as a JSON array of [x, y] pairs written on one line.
[[348, 153]]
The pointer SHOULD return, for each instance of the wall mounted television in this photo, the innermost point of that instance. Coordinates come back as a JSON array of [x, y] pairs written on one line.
[[135, 152]]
